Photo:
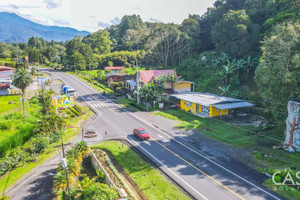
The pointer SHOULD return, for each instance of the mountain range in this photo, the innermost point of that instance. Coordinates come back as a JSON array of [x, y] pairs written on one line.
[[14, 28]]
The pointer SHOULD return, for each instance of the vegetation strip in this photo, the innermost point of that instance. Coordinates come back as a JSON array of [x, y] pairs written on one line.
[[151, 182]]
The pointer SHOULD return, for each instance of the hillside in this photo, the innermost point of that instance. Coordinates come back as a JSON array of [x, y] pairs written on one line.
[[17, 29]]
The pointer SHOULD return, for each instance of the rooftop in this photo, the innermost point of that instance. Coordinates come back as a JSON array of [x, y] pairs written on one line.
[[149, 75], [208, 99], [115, 67], [5, 68]]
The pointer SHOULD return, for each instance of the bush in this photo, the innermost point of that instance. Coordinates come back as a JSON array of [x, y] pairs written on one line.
[[55, 136], [78, 109], [39, 143], [74, 111]]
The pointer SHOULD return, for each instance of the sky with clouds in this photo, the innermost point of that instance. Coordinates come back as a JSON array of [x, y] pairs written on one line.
[[92, 15]]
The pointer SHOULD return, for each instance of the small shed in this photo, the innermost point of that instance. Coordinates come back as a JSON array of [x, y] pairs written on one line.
[[209, 105], [184, 86], [109, 71]]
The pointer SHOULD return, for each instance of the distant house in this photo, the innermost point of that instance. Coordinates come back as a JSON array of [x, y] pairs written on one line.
[[6, 74], [109, 71], [177, 86], [147, 76], [120, 78], [208, 105]]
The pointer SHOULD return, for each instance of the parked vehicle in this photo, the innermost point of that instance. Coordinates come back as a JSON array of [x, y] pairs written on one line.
[[66, 90], [141, 133]]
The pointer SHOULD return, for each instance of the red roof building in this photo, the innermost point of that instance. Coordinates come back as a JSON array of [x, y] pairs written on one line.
[[109, 71], [4, 85], [149, 75], [114, 68], [5, 68]]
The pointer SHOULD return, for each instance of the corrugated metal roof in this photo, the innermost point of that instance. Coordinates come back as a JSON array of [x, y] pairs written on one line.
[[205, 99], [2, 68], [233, 105], [149, 75], [115, 67]]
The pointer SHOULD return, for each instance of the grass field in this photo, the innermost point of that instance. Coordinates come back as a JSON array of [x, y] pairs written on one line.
[[218, 130], [263, 156], [17, 173], [5, 107], [150, 180]]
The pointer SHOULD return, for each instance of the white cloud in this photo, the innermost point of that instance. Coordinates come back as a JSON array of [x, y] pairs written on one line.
[[53, 3], [92, 14]]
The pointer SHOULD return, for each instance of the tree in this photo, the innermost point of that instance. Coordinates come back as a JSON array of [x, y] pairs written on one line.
[[22, 79], [235, 34], [277, 74], [99, 41], [165, 45]]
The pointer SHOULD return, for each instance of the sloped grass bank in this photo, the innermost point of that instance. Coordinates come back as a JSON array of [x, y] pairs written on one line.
[[149, 180]]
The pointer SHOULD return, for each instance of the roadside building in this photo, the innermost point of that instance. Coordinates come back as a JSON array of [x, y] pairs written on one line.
[[184, 86], [109, 71], [6, 74], [208, 105], [122, 78], [130, 85], [147, 76]]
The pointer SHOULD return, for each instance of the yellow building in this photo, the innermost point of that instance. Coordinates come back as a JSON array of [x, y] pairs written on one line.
[[183, 86], [208, 105]]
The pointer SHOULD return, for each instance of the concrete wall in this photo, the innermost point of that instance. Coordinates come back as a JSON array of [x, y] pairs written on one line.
[[217, 112], [97, 165]]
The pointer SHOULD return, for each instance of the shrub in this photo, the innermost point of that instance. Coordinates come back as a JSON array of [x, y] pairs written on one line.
[[74, 111], [39, 143], [55, 136]]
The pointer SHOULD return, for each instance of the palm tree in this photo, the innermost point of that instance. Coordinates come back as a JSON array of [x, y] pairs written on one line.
[[22, 79]]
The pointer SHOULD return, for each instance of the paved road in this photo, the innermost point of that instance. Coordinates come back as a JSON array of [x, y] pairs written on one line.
[[200, 174]]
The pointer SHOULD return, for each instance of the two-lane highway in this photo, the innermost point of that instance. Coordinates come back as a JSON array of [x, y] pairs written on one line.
[[200, 175]]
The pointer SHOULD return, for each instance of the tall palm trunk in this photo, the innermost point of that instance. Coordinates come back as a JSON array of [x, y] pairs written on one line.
[[23, 92]]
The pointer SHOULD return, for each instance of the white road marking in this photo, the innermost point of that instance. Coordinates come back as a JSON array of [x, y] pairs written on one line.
[[146, 142], [168, 168], [162, 138]]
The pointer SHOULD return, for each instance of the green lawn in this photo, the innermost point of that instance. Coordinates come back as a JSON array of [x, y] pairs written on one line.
[[19, 172], [263, 156], [150, 180], [218, 130], [5, 107]]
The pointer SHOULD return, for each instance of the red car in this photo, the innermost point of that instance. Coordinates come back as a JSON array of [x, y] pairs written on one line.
[[141, 134]]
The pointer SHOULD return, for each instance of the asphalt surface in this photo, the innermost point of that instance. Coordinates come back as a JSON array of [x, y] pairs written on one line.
[[201, 175]]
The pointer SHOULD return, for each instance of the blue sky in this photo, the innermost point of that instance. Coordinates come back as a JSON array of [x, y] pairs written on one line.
[[92, 15]]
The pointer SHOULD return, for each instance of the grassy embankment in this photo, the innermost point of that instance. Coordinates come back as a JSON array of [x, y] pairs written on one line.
[[17, 173], [264, 157], [92, 80], [150, 180]]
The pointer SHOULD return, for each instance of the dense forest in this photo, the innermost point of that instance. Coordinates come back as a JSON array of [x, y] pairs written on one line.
[[248, 49]]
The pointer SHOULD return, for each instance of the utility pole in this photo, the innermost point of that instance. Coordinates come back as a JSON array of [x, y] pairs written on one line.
[[64, 162], [137, 82], [17, 57]]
